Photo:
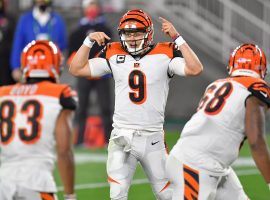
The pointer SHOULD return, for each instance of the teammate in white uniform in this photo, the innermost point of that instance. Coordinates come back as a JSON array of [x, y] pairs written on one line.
[[35, 119], [230, 111], [142, 73]]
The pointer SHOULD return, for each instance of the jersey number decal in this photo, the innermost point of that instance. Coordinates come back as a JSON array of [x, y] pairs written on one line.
[[137, 83], [214, 105], [32, 109]]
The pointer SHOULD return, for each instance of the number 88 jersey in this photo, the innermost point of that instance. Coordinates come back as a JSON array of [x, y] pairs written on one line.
[[217, 129], [141, 84]]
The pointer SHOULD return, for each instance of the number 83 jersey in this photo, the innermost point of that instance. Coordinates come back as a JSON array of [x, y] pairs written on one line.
[[28, 115], [141, 84]]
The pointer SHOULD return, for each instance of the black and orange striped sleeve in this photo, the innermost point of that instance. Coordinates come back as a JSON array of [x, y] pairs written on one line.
[[262, 91], [68, 98], [102, 53], [176, 51]]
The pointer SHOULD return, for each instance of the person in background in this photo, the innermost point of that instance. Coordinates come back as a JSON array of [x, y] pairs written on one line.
[[92, 21], [35, 128], [6, 35], [41, 23]]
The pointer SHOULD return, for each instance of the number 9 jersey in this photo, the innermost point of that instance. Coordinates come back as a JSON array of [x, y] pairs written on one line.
[[141, 83], [28, 115], [213, 136]]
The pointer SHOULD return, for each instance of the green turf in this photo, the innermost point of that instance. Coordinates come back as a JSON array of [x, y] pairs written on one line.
[[88, 173]]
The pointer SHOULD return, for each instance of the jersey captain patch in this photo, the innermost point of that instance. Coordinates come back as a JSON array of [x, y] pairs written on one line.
[[120, 59]]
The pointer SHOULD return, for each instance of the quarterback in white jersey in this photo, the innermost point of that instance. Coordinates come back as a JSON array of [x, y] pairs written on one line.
[[142, 73], [34, 120], [231, 110]]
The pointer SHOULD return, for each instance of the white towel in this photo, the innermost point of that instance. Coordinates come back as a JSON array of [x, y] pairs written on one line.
[[123, 138]]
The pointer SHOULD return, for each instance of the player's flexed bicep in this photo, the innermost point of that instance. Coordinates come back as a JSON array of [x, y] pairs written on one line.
[[99, 66], [193, 65], [177, 64], [79, 65]]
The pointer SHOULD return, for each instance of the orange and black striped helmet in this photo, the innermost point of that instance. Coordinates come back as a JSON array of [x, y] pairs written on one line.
[[136, 21], [41, 59], [248, 60]]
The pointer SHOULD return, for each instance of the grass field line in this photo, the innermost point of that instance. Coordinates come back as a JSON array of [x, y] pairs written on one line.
[[82, 158], [243, 172]]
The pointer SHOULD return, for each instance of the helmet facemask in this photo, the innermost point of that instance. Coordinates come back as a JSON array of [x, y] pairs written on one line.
[[135, 41]]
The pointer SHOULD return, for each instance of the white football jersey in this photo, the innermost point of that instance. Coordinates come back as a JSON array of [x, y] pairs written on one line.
[[28, 115], [211, 139], [141, 84]]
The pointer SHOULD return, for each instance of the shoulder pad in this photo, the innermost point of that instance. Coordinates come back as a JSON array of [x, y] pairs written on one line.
[[68, 98], [260, 90], [163, 48], [114, 48]]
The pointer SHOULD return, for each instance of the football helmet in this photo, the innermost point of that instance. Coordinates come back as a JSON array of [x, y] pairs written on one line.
[[136, 31], [247, 60], [41, 59]]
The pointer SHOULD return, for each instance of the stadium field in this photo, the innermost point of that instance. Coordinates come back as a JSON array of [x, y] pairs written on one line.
[[91, 176]]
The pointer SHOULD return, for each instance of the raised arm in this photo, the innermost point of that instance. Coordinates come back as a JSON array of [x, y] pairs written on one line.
[[193, 65], [255, 132], [79, 65]]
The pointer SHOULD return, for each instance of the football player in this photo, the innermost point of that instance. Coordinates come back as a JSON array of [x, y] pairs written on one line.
[[35, 118], [231, 110], [142, 72]]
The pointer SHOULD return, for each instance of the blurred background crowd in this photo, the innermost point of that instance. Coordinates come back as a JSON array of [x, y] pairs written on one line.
[[212, 27]]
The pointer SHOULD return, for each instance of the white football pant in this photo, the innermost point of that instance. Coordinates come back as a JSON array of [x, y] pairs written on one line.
[[12, 191], [127, 148], [191, 184]]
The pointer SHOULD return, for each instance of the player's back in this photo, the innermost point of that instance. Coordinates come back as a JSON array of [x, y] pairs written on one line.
[[217, 129], [28, 115]]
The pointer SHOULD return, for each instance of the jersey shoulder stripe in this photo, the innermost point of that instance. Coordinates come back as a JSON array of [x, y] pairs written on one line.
[[50, 89], [42, 88], [247, 81], [114, 48], [257, 87], [163, 48], [5, 90]]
